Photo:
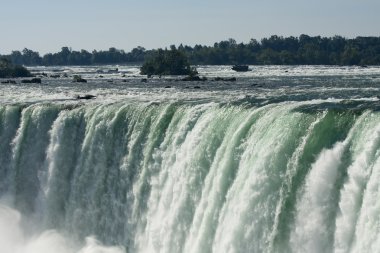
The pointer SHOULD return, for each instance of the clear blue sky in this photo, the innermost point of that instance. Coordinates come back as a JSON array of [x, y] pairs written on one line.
[[48, 25]]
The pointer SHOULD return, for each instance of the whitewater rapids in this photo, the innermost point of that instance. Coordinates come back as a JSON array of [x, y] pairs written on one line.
[[189, 177]]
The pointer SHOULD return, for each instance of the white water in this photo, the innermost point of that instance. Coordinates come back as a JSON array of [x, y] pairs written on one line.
[[188, 177], [14, 240]]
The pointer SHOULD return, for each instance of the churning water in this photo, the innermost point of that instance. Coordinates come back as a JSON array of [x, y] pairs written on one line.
[[285, 159]]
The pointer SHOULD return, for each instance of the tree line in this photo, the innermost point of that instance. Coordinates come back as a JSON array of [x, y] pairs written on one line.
[[276, 50]]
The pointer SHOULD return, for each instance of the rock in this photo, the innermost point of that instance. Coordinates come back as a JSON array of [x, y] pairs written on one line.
[[9, 81], [33, 80], [87, 96], [168, 86], [231, 79], [79, 79], [194, 78], [112, 71], [240, 68], [144, 80], [197, 87], [43, 74]]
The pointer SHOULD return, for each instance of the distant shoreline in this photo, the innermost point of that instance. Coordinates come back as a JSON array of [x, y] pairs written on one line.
[[275, 50]]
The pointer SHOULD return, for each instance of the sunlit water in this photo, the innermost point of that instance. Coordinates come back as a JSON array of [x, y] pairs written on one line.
[[284, 159]]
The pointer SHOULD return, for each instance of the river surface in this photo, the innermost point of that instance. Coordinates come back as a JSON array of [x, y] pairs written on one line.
[[284, 159]]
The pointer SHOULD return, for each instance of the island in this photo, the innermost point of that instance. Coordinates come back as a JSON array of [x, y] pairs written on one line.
[[167, 62], [10, 70]]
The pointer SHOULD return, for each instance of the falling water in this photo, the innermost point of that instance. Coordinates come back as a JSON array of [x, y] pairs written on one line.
[[188, 177]]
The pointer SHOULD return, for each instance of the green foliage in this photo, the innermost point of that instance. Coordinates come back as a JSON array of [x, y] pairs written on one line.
[[304, 49], [8, 70], [67, 56], [167, 62]]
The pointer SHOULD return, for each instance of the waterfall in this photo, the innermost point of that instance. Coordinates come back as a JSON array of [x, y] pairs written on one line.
[[188, 177]]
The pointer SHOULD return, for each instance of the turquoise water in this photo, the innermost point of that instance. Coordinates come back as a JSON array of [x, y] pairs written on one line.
[[292, 166]]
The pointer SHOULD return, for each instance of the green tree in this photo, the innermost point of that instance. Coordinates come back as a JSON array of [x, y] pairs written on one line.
[[7, 69], [167, 62], [350, 56], [31, 57], [304, 49]]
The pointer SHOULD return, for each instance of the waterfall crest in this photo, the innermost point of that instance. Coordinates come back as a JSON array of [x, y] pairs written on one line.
[[192, 177]]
